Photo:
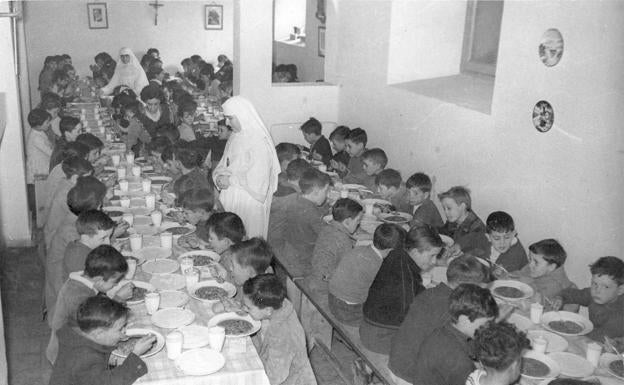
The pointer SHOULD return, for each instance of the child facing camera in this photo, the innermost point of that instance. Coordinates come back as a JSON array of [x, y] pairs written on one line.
[[95, 228], [355, 143], [84, 354], [320, 149], [374, 161], [462, 224], [506, 249], [423, 208]]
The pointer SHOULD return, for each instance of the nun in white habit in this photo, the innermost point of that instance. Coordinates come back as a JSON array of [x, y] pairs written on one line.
[[247, 173], [128, 72]]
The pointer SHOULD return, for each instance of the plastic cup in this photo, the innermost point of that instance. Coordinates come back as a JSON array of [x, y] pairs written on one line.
[[166, 240], [121, 173], [174, 342], [136, 170], [539, 345], [115, 159], [109, 138], [191, 276], [369, 209], [536, 312], [132, 265], [216, 337], [130, 158], [150, 202], [156, 218], [186, 263], [128, 217], [593, 353], [124, 202], [123, 185], [136, 242], [152, 301], [147, 185]]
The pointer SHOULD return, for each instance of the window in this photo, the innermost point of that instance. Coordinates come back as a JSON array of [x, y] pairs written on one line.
[[481, 36]]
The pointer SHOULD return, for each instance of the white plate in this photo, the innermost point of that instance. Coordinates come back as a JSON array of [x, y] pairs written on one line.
[[551, 316], [172, 318], [572, 365], [200, 362], [208, 253], [406, 217], [172, 298], [143, 285], [195, 336], [168, 281], [142, 220], [109, 209], [160, 266], [556, 343], [354, 187], [167, 225], [149, 253], [523, 287], [228, 287], [520, 321], [214, 321], [160, 178], [552, 365], [606, 359], [158, 345]]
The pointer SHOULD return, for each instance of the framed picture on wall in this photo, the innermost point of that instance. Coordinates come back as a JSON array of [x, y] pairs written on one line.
[[98, 16], [321, 41], [214, 17]]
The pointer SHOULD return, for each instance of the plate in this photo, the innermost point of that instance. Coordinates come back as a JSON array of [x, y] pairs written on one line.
[[552, 365], [207, 253], [556, 343], [160, 179], [350, 186], [214, 321], [527, 291], [152, 252], [551, 316], [142, 220], [172, 298], [160, 266], [158, 345], [200, 362], [520, 321], [172, 318], [228, 287], [114, 212], [606, 359], [168, 281], [394, 217], [168, 226], [140, 211], [572, 365], [142, 285], [195, 336]]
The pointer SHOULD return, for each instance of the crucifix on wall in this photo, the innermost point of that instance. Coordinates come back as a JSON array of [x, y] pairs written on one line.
[[155, 5]]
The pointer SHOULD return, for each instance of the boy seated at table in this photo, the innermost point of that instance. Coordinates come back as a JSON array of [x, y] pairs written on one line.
[[104, 268], [220, 232], [286, 153], [198, 205], [320, 149], [340, 160], [428, 311], [350, 282], [423, 208], [498, 348], [187, 116], [505, 249], [444, 356], [604, 298], [355, 144], [136, 134], [94, 228], [69, 128], [155, 149], [374, 161], [462, 224], [85, 351], [95, 149], [281, 345], [389, 186], [290, 184], [187, 160]]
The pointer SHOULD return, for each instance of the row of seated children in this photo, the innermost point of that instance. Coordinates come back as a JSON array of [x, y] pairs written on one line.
[[58, 76]]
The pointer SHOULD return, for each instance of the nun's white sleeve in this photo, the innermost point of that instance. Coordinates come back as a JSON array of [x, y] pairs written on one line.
[[114, 82], [253, 172], [140, 81]]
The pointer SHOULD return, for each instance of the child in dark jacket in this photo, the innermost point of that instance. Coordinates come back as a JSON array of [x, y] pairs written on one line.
[[462, 224], [320, 149], [423, 208], [506, 250]]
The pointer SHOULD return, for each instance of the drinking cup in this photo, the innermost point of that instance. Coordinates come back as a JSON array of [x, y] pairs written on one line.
[[166, 240], [174, 342], [593, 353], [130, 158], [156, 218], [115, 157], [216, 337], [136, 171], [124, 202], [539, 344], [136, 242], [150, 202], [121, 173], [152, 301], [147, 185], [123, 185], [128, 217], [536, 312]]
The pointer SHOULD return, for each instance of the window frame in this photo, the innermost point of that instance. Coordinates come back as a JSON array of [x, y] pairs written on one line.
[[467, 65]]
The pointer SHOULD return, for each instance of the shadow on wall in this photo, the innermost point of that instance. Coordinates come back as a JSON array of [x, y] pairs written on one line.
[[3, 114]]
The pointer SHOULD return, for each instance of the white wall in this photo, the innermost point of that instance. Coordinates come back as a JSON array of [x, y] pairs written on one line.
[[564, 184], [56, 27], [289, 14]]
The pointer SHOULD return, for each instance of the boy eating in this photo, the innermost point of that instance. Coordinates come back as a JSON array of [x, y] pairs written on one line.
[[340, 160], [355, 144], [374, 161], [320, 149], [389, 186], [506, 249], [94, 228], [462, 224], [423, 208], [290, 184]]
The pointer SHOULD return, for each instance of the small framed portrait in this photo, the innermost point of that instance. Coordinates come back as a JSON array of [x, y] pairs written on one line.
[[321, 41], [98, 15], [551, 47], [543, 116], [214, 17]]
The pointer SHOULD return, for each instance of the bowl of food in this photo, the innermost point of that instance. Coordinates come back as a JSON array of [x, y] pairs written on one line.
[[235, 324], [211, 291], [395, 217], [177, 230], [566, 323], [201, 257], [138, 292], [510, 290], [537, 366], [614, 364], [124, 348]]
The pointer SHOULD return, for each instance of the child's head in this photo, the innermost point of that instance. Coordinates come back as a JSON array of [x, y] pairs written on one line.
[[545, 256], [152, 97], [388, 182], [286, 153], [75, 149], [607, 281], [156, 73], [70, 128], [51, 102], [250, 258], [186, 64], [50, 62], [355, 141], [342, 158], [153, 52], [87, 194], [374, 160], [224, 130], [466, 269], [312, 130], [348, 213], [498, 347], [470, 307], [187, 112], [95, 228], [296, 168], [103, 320], [158, 145], [263, 294], [338, 137], [224, 230], [131, 109], [388, 236], [456, 203], [75, 167], [198, 204], [423, 244], [39, 119], [105, 267], [500, 231], [93, 142], [187, 157], [60, 78], [314, 185], [419, 186]]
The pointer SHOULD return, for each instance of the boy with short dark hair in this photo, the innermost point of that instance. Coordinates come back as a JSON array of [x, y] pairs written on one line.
[[423, 208], [286, 153], [94, 143], [290, 185], [187, 160], [320, 149], [462, 224], [340, 160], [84, 354], [506, 249], [374, 161], [69, 127], [389, 186], [187, 116], [444, 356], [355, 143]]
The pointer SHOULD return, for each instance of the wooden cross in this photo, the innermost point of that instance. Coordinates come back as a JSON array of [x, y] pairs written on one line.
[[156, 5]]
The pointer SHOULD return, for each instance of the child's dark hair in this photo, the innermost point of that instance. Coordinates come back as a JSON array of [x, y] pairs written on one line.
[[422, 237], [287, 151], [254, 252], [76, 166], [341, 157], [346, 208], [497, 345], [158, 144], [153, 72], [196, 199], [151, 92], [472, 301], [105, 261], [357, 135], [92, 221], [459, 194], [312, 179], [167, 153], [59, 75], [389, 178], [312, 126], [90, 140], [499, 221], [49, 60], [551, 250], [265, 290], [75, 149], [296, 168], [38, 116], [132, 106], [187, 155], [87, 194], [340, 133], [153, 50], [50, 100], [388, 236], [227, 225], [68, 124], [610, 266], [185, 62], [100, 312], [467, 269], [420, 181], [188, 107], [377, 155]]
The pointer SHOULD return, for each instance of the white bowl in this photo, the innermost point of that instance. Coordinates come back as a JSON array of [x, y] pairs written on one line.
[[214, 321], [551, 316], [207, 253], [157, 347], [228, 287], [553, 367], [160, 266], [572, 365], [527, 291]]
